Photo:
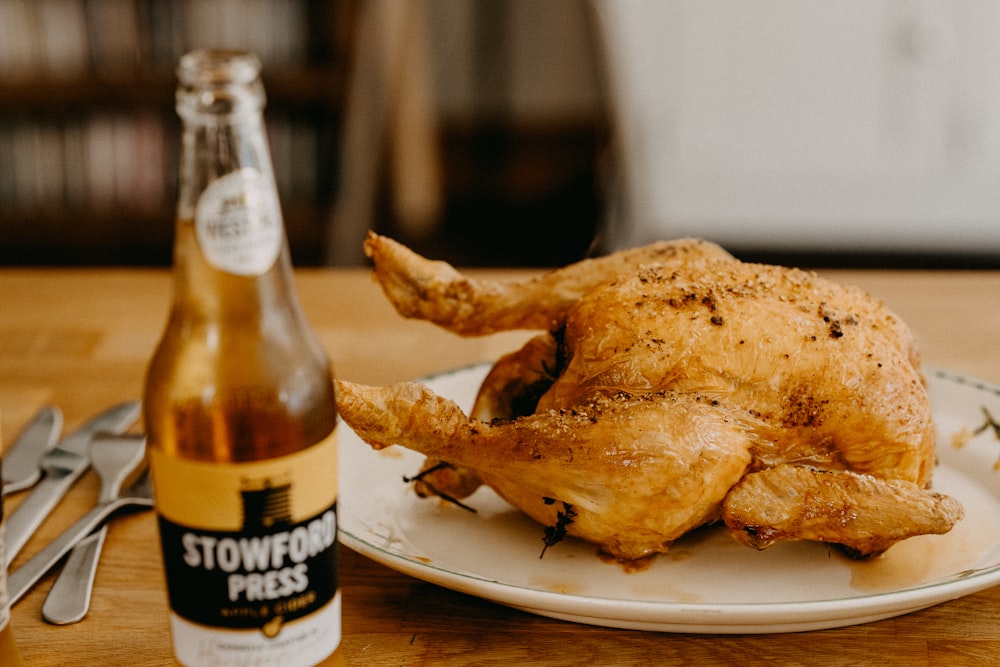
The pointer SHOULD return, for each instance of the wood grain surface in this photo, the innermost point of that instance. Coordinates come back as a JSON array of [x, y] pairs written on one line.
[[81, 339]]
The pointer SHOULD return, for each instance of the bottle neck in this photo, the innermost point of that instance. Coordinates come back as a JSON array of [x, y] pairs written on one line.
[[213, 147], [230, 255], [220, 100]]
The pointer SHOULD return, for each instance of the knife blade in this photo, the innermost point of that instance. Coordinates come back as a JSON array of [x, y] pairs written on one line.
[[22, 460], [62, 466]]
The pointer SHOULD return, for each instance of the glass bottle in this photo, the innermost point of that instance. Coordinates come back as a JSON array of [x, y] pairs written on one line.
[[239, 402], [9, 655]]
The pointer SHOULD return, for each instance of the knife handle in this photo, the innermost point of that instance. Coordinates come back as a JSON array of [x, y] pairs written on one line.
[[23, 578], [29, 515]]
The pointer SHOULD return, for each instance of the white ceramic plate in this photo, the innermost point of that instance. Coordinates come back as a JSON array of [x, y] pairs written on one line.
[[707, 583]]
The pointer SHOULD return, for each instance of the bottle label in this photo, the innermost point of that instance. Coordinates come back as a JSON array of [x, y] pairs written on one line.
[[250, 554], [238, 223]]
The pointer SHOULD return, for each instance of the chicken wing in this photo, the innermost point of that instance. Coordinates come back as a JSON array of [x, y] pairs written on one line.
[[435, 291]]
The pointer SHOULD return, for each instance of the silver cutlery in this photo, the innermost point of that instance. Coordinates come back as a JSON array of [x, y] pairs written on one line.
[[68, 600], [22, 461], [118, 465], [62, 466]]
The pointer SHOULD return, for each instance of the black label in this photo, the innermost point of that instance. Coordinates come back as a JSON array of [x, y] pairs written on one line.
[[250, 578]]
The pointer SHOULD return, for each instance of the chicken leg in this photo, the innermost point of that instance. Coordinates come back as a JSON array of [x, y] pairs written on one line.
[[638, 473]]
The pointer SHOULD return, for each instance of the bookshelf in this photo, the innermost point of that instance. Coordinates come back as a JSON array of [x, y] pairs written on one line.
[[89, 136]]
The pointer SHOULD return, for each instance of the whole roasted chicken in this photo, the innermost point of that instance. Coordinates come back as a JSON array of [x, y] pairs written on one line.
[[671, 386]]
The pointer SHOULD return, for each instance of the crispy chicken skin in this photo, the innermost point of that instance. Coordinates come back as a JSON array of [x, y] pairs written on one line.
[[827, 367], [435, 291], [862, 513], [673, 386]]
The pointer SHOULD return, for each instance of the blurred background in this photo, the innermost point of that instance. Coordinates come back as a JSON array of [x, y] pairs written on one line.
[[523, 132]]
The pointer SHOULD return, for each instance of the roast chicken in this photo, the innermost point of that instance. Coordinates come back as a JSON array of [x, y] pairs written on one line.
[[669, 387]]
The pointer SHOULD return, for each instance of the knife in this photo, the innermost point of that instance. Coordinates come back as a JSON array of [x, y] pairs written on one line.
[[63, 466], [22, 460]]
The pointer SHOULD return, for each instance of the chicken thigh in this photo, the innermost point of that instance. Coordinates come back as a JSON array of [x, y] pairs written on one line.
[[673, 386]]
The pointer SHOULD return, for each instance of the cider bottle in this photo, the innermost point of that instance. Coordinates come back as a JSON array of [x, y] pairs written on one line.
[[9, 655], [239, 403]]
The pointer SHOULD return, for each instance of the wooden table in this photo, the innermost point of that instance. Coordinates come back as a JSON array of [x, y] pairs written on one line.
[[81, 339]]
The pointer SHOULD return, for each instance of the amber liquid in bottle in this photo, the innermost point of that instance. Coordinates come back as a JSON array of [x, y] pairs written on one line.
[[9, 655], [239, 405]]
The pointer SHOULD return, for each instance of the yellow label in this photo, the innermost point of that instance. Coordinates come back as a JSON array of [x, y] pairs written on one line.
[[211, 495]]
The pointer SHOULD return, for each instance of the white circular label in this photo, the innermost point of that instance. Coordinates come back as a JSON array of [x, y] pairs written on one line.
[[238, 223]]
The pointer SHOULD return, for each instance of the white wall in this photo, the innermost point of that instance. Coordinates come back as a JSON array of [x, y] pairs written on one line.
[[809, 124]]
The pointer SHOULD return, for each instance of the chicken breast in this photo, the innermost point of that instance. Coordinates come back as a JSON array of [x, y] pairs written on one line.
[[828, 368]]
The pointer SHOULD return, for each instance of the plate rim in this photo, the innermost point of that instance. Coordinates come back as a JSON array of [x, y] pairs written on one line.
[[693, 617]]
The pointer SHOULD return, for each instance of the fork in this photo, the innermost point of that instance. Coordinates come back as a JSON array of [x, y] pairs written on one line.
[[68, 600], [117, 464]]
